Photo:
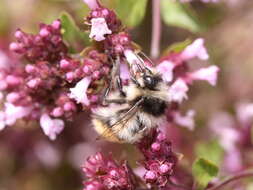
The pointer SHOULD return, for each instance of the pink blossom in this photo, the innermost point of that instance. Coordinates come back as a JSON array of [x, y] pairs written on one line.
[[178, 90], [79, 91], [233, 161], [186, 121], [4, 61], [166, 69], [93, 4], [132, 59], [13, 113], [244, 112], [222, 126], [196, 49], [51, 127], [131, 56], [99, 28], [124, 72], [209, 74]]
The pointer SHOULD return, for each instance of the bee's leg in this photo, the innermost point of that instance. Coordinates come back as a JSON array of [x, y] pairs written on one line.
[[116, 77], [135, 81], [119, 86], [115, 82], [116, 101]]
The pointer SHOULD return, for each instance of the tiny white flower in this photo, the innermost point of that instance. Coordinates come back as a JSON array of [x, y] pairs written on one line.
[[166, 70], [13, 113], [209, 74], [99, 29], [186, 120], [196, 49], [78, 93], [178, 91], [51, 127]]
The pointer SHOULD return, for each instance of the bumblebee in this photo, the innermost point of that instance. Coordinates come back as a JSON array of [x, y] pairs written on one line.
[[133, 110]]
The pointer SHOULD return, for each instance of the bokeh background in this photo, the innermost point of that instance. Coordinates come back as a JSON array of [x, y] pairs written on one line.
[[29, 160]]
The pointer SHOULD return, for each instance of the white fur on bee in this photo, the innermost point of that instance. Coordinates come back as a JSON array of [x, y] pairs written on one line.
[[125, 132], [133, 91]]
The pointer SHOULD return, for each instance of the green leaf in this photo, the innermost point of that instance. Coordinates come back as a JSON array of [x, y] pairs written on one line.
[[203, 171], [180, 15], [177, 47], [211, 151], [131, 12], [70, 31]]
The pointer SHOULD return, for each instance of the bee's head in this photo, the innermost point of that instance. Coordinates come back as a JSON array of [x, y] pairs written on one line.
[[148, 80]]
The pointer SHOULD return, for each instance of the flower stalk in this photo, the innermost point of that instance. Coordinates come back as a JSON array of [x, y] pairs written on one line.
[[241, 175], [156, 29]]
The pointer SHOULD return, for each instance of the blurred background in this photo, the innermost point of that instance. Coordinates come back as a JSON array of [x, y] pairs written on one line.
[[29, 160]]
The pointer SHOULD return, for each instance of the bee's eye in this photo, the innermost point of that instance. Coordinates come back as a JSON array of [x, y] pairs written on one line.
[[149, 82]]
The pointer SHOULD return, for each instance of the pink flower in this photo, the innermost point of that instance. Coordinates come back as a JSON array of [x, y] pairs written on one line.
[[124, 72], [233, 161], [132, 59], [93, 4], [222, 126], [244, 112], [196, 49], [131, 56], [79, 91], [99, 28], [51, 127], [209, 74], [4, 61], [13, 113], [186, 121], [166, 69], [178, 90]]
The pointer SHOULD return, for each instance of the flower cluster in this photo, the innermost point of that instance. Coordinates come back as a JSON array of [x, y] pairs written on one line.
[[48, 45], [176, 71], [53, 85], [159, 160], [104, 173], [234, 135]]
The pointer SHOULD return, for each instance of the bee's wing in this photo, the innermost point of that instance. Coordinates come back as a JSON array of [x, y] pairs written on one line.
[[123, 120]]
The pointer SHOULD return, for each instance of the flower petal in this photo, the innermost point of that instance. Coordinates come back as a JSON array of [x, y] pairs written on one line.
[[166, 70], [93, 4], [99, 28], [124, 72], [209, 74], [78, 93], [186, 121], [13, 113], [244, 112], [196, 49], [178, 90], [51, 127]]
